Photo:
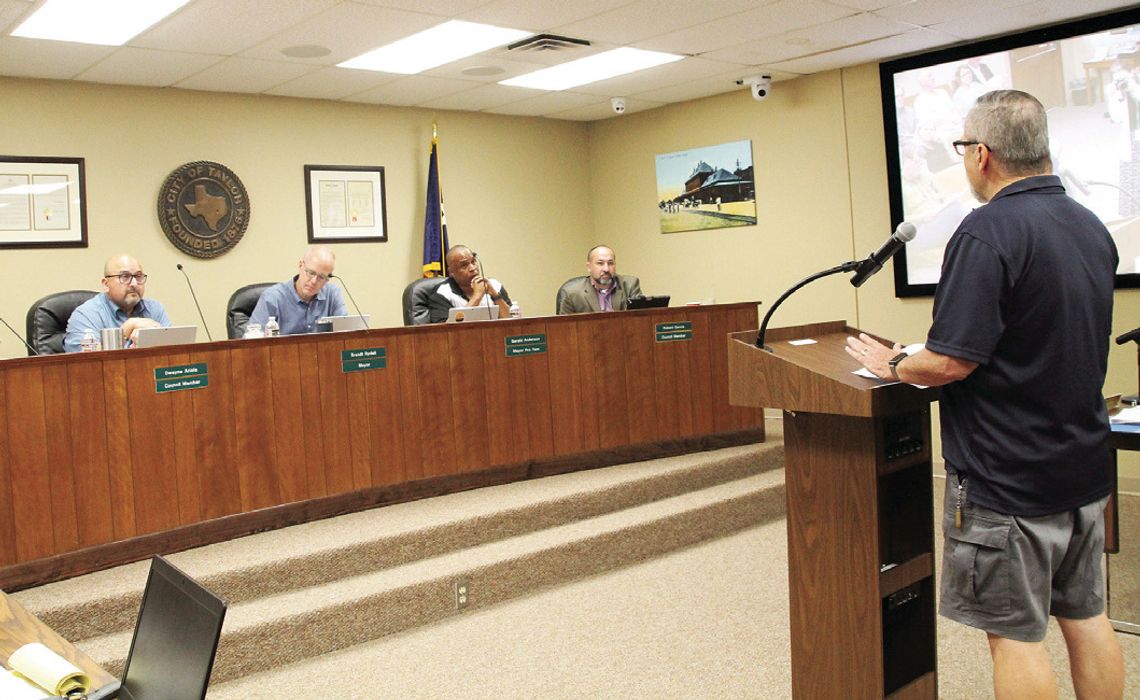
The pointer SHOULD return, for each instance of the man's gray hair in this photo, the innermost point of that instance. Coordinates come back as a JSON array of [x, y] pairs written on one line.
[[1012, 124]]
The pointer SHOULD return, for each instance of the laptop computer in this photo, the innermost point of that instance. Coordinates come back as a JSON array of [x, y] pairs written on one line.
[[176, 637], [344, 323], [462, 314], [171, 335], [649, 302]]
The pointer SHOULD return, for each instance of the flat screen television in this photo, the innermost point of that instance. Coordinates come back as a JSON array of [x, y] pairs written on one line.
[[1087, 75]]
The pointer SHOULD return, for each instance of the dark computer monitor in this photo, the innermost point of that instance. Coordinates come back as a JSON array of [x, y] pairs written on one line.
[[176, 636]]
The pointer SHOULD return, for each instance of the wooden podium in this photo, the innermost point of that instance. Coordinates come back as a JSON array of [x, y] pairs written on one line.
[[860, 513]]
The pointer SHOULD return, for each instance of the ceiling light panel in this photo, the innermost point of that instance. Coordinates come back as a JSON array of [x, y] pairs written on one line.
[[106, 23], [433, 47], [591, 69]]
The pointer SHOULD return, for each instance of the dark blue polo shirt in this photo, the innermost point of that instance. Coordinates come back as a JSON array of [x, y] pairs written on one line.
[[1026, 292]]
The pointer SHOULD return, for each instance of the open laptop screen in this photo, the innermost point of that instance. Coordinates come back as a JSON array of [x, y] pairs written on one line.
[[170, 335], [176, 636]]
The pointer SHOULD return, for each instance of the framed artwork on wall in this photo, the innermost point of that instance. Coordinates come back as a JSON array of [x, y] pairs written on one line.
[[43, 202]]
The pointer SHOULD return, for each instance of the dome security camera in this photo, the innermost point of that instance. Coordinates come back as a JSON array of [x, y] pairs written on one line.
[[618, 105], [759, 85]]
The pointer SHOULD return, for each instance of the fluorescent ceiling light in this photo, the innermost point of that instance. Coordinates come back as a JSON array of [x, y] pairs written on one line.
[[591, 69], [104, 22], [433, 47]]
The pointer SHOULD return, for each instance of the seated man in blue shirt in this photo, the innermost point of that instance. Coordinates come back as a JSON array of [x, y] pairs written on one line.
[[299, 302], [120, 304]]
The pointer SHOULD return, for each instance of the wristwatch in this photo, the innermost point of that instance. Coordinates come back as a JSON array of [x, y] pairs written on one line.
[[893, 363]]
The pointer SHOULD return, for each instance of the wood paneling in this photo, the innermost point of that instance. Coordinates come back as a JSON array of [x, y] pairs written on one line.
[[92, 455]]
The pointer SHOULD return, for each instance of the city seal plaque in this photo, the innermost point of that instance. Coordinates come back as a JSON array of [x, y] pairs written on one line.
[[203, 208]]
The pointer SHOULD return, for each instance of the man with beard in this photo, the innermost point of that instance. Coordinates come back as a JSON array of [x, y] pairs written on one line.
[[603, 289]]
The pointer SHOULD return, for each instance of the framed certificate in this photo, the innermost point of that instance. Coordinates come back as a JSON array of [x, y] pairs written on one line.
[[345, 204], [43, 203]]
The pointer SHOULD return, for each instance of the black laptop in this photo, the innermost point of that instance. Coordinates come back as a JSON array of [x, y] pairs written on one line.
[[648, 302], [176, 637]]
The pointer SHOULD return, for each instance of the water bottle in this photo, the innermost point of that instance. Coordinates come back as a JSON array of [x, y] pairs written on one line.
[[272, 328], [515, 312], [89, 342]]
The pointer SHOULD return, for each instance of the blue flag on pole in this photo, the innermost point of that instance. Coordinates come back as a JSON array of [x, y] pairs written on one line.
[[435, 221]]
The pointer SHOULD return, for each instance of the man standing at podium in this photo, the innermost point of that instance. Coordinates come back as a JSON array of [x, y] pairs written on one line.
[[1019, 342]]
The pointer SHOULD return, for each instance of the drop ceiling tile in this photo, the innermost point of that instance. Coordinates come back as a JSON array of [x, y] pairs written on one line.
[[411, 90], [683, 71], [544, 104], [130, 66], [480, 98], [331, 83], [647, 18], [845, 31], [227, 27], [769, 20], [244, 75], [348, 30], [443, 8], [507, 68], [869, 5], [1015, 19], [913, 41], [928, 12], [12, 12], [38, 58], [538, 15], [603, 110]]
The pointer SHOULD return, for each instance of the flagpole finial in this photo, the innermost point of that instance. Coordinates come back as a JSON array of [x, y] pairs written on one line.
[[434, 129]]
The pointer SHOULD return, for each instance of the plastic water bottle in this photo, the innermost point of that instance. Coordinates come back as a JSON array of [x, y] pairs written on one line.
[[272, 328], [89, 342], [515, 312]]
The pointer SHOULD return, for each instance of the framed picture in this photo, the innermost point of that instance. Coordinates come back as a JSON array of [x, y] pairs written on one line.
[[705, 188], [346, 204], [43, 203], [1087, 75]]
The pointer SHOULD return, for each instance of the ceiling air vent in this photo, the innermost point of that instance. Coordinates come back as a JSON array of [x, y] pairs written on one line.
[[548, 42]]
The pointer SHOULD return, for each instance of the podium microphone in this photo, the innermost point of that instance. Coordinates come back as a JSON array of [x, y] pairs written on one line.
[[29, 347], [342, 284], [195, 298], [905, 232]]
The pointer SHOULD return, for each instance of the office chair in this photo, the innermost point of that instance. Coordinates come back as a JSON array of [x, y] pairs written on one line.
[[415, 299], [240, 307], [563, 290], [47, 320]]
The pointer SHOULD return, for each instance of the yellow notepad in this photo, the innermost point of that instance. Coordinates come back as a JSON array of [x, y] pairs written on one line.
[[36, 663]]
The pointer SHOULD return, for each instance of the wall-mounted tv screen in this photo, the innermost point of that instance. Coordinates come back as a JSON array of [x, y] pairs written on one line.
[[1086, 73]]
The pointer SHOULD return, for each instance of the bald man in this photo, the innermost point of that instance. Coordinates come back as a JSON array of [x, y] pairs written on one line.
[[121, 304], [300, 301]]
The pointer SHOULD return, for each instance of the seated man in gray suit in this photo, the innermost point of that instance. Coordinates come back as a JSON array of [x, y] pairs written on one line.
[[603, 289]]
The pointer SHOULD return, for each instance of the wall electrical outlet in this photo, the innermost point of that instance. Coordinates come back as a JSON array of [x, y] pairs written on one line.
[[462, 593]]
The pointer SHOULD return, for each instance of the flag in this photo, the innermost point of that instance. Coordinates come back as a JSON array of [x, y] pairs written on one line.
[[435, 221]]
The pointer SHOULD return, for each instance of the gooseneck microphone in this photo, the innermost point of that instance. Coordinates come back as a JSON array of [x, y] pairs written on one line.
[[863, 270], [196, 305], [31, 350], [905, 232], [345, 286]]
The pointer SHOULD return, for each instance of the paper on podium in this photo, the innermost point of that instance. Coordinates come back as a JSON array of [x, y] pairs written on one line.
[[12, 687], [910, 350], [47, 669]]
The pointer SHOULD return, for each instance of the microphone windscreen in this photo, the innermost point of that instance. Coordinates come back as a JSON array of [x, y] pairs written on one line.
[[906, 232]]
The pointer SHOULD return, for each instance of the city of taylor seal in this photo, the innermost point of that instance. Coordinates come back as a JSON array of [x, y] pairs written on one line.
[[203, 208]]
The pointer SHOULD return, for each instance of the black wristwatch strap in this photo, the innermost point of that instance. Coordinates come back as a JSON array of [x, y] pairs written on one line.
[[893, 363]]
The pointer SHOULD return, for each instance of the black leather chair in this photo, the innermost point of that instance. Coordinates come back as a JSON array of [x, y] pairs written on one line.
[[415, 299], [47, 320], [240, 307], [562, 292]]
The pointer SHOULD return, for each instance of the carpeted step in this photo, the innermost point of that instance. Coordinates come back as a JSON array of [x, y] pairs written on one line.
[[284, 628], [324, 551]]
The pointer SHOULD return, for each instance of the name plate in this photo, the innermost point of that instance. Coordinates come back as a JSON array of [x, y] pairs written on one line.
[[363, 359], [531, 344], [181, 377], [669, 332]]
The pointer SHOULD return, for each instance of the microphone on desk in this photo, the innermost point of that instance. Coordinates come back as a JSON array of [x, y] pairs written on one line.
[[905, 232], [195, 298], [29, 347], [342, 284]]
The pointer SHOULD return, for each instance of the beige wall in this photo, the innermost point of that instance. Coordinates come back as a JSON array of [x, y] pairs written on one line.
[[531, 195], [515, 189]]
